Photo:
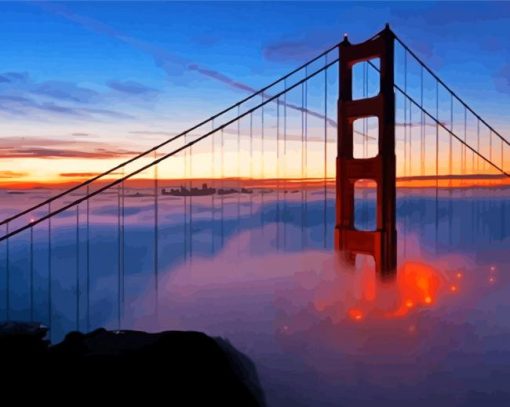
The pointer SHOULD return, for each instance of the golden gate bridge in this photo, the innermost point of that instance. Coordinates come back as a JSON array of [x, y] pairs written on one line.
[[388, 124]]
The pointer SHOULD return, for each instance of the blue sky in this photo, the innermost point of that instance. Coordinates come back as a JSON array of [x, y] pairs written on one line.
[[105, 69]]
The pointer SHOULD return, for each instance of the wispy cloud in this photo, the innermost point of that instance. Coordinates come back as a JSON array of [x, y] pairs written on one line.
[[21, 95], [42, 152], [36, 147], [153, 132], [22, 105], [78, 174], [443, 14], [65, 91], [218, 76], [167, 61], [13, 77], [502, 78], [12, 174], [289, 51], [131, 87]]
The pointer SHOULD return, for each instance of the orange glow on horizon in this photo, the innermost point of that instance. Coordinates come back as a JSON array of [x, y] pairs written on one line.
[[273, 183]]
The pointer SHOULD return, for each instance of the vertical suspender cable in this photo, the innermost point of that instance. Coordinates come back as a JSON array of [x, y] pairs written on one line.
[[278, 173], [119, 258], [190, 187], [87, 250], [306, 156], [502, 158], [185, 202], [450, 148], [285, 161], [464, 151], [239, 186], [325, 203], [302, 160], [251, 165], [77, 267], [405, 113], [262, 167], [365, 120], [122, 242], [450, 170], [410, 139], [422, 129], [156, 236], [478, 145], [213, 185], [7, 275], [490, 145], [31, 273], [49, 270], [262, 132], [437, 164], [222, 186], [364, 217]]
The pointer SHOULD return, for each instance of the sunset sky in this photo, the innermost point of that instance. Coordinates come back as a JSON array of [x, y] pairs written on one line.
[[83, 86]]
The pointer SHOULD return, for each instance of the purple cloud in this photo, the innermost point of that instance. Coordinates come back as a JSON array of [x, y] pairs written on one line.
[[442, 14], [289, 51], [131, 87], [12, 77], [502, 79], [22, 106], [65, 91], [168, 61], [37, 147]]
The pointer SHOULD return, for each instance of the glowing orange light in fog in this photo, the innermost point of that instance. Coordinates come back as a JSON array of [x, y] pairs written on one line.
[[417, 284], [459, 275], [355, 314]]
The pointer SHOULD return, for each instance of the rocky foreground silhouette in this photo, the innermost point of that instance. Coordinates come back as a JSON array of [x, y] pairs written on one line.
[[173, 367]]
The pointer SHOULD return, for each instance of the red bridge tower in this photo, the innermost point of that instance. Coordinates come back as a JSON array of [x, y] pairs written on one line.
[[380, 243]]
